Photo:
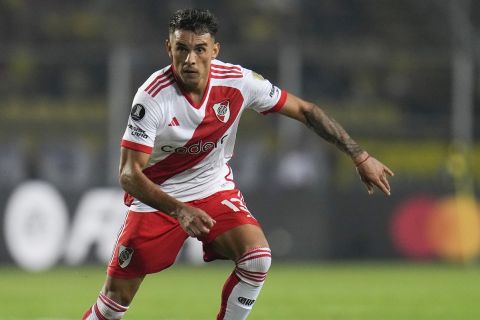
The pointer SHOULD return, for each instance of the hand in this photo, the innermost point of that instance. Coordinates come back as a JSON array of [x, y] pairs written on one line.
[[196, 222], [374, 173]]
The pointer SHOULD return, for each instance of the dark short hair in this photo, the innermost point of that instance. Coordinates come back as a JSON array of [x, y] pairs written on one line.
[[199, 21]]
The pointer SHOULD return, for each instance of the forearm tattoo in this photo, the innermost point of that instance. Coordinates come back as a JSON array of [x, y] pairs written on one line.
[[332, 131]]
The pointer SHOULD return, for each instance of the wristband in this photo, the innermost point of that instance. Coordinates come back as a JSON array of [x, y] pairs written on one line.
[[358, 164]]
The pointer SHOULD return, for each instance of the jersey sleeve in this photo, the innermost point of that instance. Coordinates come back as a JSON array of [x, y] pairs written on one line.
[[142, 124], [262, 95]]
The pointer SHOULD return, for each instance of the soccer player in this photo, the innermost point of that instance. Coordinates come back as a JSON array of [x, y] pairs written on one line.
[[174, 169]]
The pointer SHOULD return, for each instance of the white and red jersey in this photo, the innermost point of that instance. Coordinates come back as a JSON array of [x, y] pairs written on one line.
[[190, 144]]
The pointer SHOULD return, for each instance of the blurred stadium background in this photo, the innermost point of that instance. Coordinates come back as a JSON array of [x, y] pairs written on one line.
[[401, 76]]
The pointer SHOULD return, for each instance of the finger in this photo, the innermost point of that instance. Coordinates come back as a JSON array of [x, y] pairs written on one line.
[[387, 170], [369, 186], [382, 187], [204, 227], [371, 189], [208, 221], [363, 178], [203, 230], [384, 180], [191, 233]]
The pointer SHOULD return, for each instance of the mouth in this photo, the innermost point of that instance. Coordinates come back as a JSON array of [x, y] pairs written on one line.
[[190, 71]]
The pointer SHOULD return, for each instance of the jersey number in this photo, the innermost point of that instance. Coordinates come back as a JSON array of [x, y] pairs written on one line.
[[235, 204]]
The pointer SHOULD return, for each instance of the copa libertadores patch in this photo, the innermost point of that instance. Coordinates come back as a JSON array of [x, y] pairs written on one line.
[[138, 112]]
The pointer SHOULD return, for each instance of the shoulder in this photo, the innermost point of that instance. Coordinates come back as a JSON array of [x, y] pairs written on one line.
[[158, 81], [156, 89], [149, 98], [222, 70]]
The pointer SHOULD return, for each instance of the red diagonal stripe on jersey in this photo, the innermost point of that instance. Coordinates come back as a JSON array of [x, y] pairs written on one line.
[[209, 130]]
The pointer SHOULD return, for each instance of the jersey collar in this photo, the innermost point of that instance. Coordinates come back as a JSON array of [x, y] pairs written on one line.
[[186, 94]]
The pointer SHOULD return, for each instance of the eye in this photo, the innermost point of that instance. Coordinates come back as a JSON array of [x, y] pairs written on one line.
[[182, 49], [200, 49]]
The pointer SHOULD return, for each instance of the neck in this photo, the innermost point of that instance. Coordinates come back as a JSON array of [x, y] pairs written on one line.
[[194, 91]]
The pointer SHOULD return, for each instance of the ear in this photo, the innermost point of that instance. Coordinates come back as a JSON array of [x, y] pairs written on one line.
[[168, 47], [216, 50]]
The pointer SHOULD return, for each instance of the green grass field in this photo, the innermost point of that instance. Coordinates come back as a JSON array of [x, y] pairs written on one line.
[[292, 291]]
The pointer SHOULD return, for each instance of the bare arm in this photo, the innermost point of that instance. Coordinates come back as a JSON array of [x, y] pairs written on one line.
[[193, 220], [371, 171]]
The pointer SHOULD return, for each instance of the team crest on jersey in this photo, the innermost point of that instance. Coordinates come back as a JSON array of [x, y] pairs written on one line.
[[124, 256], [222, 110]]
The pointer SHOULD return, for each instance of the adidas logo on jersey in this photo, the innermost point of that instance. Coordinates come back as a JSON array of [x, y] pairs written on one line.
[[174, 122]]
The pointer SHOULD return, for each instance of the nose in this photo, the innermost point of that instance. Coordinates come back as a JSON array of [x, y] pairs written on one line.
[[191, 58]]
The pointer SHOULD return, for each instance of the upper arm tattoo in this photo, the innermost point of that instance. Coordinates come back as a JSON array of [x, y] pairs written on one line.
[[331, 130]]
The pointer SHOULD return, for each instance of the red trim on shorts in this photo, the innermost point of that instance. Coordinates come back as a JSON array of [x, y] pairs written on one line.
[[136, 146], [279, 105]]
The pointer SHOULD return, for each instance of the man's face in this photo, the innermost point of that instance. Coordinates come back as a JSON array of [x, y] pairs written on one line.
[[191, 56]]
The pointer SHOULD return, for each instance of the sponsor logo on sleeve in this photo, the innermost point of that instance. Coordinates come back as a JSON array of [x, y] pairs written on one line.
[[138, 112], [274, 91], [137, 132]]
